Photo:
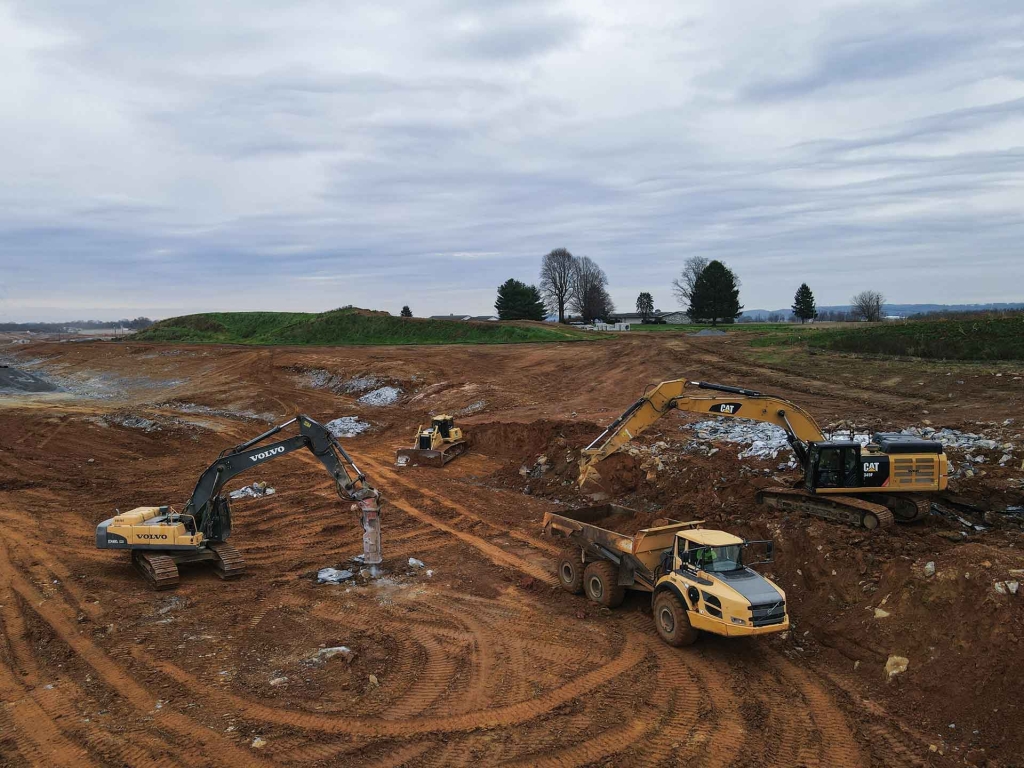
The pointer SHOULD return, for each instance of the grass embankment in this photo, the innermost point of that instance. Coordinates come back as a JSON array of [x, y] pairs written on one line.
[[727, 327], [987, 338], [347, 326]]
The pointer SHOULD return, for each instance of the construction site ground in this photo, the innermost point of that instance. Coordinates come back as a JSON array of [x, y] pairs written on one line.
[[478, 656]]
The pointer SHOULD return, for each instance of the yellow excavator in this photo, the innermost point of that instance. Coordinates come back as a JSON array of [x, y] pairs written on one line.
[[866, 485], [433, 446], [160, 539]]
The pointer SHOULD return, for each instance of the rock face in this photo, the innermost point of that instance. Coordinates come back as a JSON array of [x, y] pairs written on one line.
[[896, 665]]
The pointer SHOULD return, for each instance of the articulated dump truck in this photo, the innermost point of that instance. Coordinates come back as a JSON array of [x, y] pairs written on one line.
[[700, 579]]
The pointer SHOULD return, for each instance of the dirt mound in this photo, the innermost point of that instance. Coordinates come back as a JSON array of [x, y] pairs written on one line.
[[525, 442]]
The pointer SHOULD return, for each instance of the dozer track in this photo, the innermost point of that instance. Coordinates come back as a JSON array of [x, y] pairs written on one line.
[[229, 563], [842, 509], [416, 457], [159, 570]]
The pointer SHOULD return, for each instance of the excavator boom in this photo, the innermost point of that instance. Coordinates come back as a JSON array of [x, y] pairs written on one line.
[[893, 469], [679, 394]]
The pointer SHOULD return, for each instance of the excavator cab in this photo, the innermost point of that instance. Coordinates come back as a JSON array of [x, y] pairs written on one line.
[[833, 465]]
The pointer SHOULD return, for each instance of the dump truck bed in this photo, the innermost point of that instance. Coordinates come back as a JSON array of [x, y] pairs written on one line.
[[646, 545]]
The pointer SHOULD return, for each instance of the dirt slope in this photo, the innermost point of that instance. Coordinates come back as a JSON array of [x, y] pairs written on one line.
[[483, 659]]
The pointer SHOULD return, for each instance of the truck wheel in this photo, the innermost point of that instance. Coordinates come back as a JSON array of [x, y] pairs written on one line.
[[600, 582], [671, 621], [570, 571]]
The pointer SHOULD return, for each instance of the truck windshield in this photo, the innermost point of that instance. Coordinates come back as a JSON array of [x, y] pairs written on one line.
[[718, 559]]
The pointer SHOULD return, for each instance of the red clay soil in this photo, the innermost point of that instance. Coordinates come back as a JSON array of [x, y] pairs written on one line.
[[478, 657]]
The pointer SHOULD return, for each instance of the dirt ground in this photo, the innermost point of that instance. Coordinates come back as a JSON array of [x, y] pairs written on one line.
[[478, 656]]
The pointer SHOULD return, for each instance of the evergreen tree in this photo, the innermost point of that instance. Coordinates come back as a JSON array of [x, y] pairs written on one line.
[[803, 304], [519, 301], [645, 306], [406, 312], [715, 295]]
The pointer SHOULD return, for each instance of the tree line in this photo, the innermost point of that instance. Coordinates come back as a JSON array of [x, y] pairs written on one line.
[[707, 290]]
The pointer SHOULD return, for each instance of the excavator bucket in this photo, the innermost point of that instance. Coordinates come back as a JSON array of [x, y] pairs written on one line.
[[420, 457]]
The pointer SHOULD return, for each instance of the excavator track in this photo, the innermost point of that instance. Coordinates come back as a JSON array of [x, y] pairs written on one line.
[[159, 570], [229, 563], [909, 508], [842, 509]]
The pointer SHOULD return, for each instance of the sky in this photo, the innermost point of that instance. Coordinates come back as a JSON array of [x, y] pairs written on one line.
[[166, 158]]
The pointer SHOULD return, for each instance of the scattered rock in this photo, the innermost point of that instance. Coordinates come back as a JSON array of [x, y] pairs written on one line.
[[416, 563], [896, 665], [881, 613], [254, 491], [275, 682], [325, 654], [373, 680], [259, 742], [333, 575], [929, 569]]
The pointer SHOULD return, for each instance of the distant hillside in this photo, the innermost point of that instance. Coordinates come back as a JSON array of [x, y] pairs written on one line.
[[346, 326], [985, 338], [904, 310]]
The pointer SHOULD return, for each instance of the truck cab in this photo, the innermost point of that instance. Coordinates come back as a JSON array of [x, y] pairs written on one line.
[[721, 593]]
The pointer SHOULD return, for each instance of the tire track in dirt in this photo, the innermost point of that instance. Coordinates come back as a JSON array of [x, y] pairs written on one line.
[[186, 731], [496, 717]]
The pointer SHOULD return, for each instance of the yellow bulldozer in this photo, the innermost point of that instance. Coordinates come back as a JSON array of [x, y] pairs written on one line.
[[433, 446]]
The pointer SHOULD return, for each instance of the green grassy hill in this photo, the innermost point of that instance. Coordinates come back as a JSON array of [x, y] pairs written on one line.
[[985, 338], [977, 338], [347, 326]]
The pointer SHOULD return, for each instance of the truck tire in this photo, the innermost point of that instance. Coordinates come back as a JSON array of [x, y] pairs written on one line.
[[671, 621], [570, 571], [600, 583]]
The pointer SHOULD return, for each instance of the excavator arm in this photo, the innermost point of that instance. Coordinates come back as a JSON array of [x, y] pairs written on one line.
[[211, 512], [680, 395]]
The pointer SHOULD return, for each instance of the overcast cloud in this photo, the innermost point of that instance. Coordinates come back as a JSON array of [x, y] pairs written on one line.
[[164, 158]]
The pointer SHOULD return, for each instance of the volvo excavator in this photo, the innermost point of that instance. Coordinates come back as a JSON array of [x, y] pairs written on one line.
[[160, 539], [871, 485]]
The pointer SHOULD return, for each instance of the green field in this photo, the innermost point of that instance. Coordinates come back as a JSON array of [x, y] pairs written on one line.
[[981, 338], [348, 326]]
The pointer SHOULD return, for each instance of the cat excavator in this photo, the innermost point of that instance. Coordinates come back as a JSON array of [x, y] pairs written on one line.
[[869, 485], [160, 539]]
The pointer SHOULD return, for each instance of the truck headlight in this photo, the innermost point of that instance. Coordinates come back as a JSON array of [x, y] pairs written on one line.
[[737, 620]]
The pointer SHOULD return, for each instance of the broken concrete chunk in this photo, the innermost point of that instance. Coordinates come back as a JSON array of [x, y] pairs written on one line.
[[896, 665], [332, 576], [325, 654]]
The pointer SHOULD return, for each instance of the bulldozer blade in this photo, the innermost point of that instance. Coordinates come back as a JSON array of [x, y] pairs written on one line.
[[417, 457]]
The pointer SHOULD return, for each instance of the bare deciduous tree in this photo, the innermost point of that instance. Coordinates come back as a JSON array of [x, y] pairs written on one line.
[[682, 286], [556, 273], [589, 293], [867, 305]]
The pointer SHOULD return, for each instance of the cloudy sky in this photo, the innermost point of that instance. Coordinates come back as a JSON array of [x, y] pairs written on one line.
[[162, 158]]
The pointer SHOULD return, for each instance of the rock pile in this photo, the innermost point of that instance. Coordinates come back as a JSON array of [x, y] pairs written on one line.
[[347, 426], [382, 396]]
